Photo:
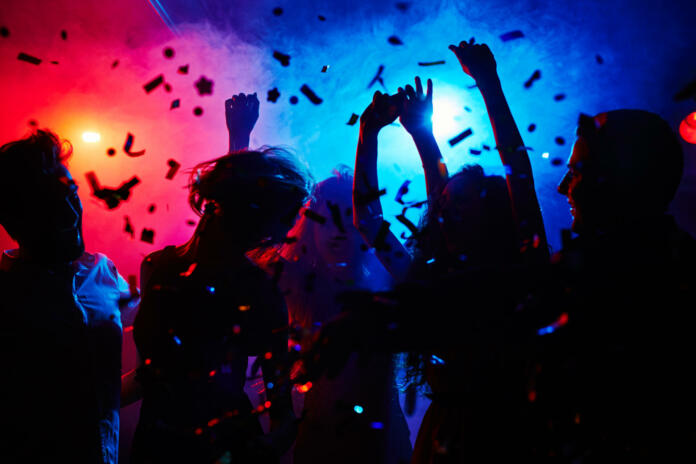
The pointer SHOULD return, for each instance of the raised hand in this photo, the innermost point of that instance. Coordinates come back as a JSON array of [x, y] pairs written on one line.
[[417, 109], [383, 110], [476, 59], [241, 114]]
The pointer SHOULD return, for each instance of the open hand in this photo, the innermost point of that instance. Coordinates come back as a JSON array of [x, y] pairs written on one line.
[[476, 59], [417, 111], [241, 114], [383, 110]]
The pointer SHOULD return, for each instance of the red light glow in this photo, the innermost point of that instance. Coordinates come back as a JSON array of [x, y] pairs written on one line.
[[687, 128]]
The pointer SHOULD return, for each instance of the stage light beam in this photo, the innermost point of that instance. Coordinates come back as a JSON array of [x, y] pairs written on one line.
[[91, 137]]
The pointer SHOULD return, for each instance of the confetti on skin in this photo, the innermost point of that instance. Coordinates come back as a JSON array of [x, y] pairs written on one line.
[[175, 104], [198, 111], [309, 93], [455, 140], [512, 35], [314, 216], [28, 58], [173, 168], [130, 138], [431, 63], [394, 40], [168, 52], [294, 100], [559, 97], [403, 190], [204, 86], [154, 83], [147, 236], [111, 151], [536, 75], [183, 69], [273, 95], [282, 58], [128, 227], [353, 119]]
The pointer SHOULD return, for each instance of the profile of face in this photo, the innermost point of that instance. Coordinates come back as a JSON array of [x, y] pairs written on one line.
[[577, 186], [53, 226]]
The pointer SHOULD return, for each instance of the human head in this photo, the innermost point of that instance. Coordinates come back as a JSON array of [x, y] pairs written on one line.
[[39, 206], [472, 220], [254, 195], [625, 165]]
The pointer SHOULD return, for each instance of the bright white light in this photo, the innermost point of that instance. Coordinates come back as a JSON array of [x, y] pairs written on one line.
[[91, 137], [445, 110], [545, 155]]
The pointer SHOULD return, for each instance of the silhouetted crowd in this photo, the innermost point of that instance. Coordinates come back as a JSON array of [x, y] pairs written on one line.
[[580, 356]]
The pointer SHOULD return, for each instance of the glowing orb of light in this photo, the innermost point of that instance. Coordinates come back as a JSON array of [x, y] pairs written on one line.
[[91, 137], [687, 128], [445, 110]]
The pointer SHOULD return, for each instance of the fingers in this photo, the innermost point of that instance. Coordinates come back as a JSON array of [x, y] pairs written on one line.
[[429, 90], [419, 86], [228, 103], [410, 92]]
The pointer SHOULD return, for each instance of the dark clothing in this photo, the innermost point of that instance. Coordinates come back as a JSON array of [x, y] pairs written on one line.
[[60, 348], [614, 384], [194, 332]]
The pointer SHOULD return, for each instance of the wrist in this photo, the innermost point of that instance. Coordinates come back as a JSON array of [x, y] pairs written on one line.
[[422, 133]]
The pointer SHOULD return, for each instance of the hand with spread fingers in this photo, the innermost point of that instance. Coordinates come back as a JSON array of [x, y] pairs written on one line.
[[417, 110], [382, 111]]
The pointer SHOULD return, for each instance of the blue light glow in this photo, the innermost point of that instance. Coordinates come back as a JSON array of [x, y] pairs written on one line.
[[358, 409]]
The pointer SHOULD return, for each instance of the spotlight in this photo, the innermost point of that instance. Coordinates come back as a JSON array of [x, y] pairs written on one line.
[[687, 128], [91, 137], [444, 112]]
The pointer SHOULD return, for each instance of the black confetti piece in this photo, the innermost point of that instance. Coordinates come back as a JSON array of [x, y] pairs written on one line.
[[558, 97], [467, 109], [556, 162], [353, 119], [183, 69], [512, 35], [381, 237], [309, 93], [282, 58], [363, 199], [273, 95], [168, 52], [336, 215], [130, 138], [431, 63], [128, 228], [486, 147], [112, 197], [154, 83], [294, 100], [407, 222], [559, 141], [151, 208], [167, 87], [536, 75], [324, 68], [111, 151], [4, 32], [175, 104], [474, 151], [378, 77], [173, 168], [28, 58], [114, 64], [190, 222], [321, 18], [277, 11], [403, 6], [403, 190], [54, 62], [64, 34], [314, 216], [688, 91], [394, 40], [455, 140], [33, 122], [531, 128], [147, 236], [204, 86], [198, 111], [599, 59]]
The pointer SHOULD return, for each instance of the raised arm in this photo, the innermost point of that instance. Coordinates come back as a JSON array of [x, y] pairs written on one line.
[[415, 116], [477, 61], [367, 208], [241, 114]]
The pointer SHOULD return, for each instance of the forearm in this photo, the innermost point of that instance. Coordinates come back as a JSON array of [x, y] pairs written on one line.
[[433, 166], [238, 142], [131, 389], [367, 208]]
